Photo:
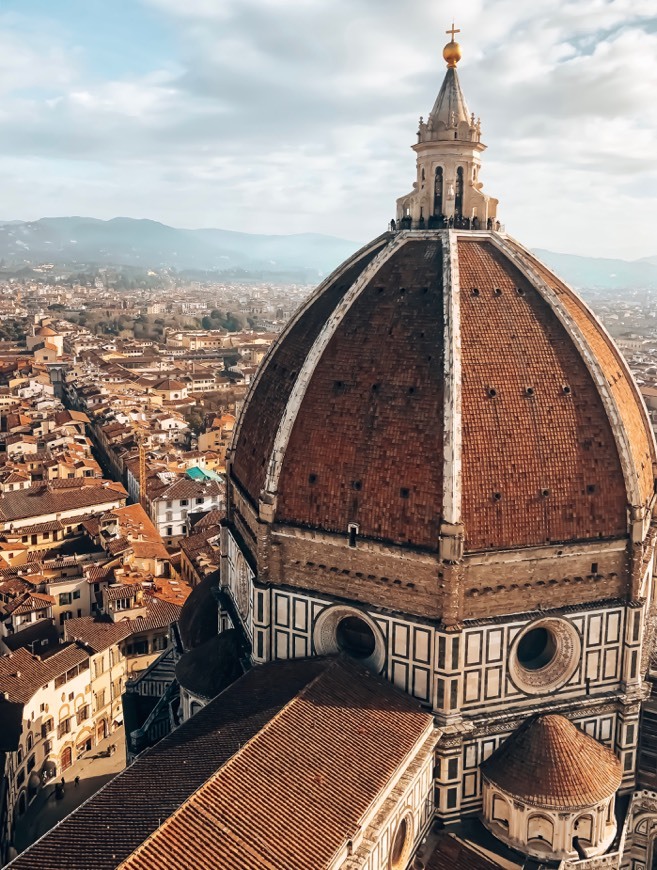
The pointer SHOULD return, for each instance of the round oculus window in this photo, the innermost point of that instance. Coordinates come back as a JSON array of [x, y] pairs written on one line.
[[352, 632], [536, 648], [545, 656], [400, 845], [355, 637]]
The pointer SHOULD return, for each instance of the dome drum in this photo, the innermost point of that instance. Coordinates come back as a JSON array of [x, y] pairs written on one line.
[[545, 656], [546, 834]]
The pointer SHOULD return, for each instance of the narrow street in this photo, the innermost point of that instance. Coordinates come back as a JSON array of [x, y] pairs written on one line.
[[94, 769]]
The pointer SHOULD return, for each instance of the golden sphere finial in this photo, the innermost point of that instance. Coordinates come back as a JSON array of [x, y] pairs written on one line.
[[452, 51]]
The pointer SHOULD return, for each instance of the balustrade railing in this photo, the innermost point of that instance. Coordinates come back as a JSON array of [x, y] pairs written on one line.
[[443, 223]]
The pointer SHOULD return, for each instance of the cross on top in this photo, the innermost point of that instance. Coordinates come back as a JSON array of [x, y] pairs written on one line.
[[452, 32]]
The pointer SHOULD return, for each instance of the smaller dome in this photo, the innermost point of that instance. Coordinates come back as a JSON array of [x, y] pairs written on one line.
[[198, 618], [212, 667], [549, 763], [452, 53]]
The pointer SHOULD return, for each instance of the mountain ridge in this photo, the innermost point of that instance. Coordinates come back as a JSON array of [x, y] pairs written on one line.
[[77, 241]]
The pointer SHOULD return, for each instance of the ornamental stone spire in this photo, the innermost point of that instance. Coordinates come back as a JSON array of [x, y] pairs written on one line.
[[447, 190]]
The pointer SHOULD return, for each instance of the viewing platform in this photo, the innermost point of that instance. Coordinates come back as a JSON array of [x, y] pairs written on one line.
[[445, 223]]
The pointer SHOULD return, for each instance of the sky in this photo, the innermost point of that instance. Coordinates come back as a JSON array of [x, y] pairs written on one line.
[[287, 116]]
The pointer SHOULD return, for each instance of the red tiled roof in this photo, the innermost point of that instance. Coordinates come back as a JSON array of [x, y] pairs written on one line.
[[29, 602], [118, 545], [619, 381], [367, 445], [122, 590], [453, 854], [548, 762], [22, 673], [143, 795], [97, 634], [96, 573], [58, 496], [540, 461], [518, 445], [274, 386], [290, 748], [317, 767]]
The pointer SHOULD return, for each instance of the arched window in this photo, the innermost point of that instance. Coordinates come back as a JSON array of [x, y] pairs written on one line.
[[583, 829], [438, 192], [540, 828], [500, 811], [458, 203], [29, 740]]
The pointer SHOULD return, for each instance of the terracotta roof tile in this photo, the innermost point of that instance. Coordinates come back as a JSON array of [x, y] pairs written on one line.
[[367, 444], [37, 500], [330, 747], [451, 853], [619, 379], [29, 602], [274, 385], [548, 762], [142, 796], [519, 445], [22, 673], [97, 634]]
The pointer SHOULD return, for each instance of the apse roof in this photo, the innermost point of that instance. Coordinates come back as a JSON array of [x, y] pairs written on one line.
[[548, 762]]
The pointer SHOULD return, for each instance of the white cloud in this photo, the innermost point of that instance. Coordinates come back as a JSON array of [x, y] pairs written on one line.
[[30, 57], [287, 115]]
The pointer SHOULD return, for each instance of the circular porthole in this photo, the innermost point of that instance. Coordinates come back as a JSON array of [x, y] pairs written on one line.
[[352, 632], [536, 649], [544, 656], [355, 637], [401, 844], [242, 590]]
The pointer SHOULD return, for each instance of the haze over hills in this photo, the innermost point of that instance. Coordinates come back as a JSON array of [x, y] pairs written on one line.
[[602, 273], [77, 242]]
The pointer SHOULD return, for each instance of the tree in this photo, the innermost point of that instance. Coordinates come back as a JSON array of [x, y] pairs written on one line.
[[234, 322], [195, 421]]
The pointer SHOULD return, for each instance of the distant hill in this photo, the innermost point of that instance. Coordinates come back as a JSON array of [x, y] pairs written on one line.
[[78, 242], [602, 274]]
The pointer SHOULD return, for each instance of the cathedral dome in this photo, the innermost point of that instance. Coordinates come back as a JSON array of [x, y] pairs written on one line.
[[444, 428], [447, 377]]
